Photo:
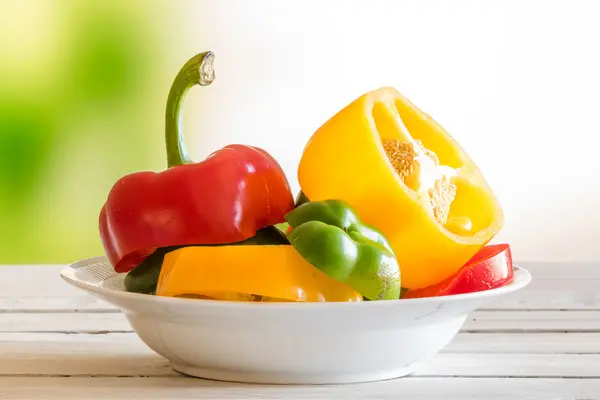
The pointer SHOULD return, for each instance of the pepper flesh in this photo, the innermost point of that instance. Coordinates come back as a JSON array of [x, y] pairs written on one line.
[[144, 277], [429, 198], [489, 269], [331, 237], [226, 198], [271, 271]]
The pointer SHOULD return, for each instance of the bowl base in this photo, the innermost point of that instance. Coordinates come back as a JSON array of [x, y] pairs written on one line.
[[289, 378]]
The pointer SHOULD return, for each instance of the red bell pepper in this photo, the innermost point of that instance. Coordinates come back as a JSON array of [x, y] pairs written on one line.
[[224, 199], [490, 268]]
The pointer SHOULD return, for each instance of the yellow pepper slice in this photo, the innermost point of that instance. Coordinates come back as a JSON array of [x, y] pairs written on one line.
[[405, 175], [275, 272]]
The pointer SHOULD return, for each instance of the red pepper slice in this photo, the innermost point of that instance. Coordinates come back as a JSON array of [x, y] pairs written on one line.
[[224, 199], [490, 268]]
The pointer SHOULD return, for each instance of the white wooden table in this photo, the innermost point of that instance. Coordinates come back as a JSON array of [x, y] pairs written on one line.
[[542, 343]]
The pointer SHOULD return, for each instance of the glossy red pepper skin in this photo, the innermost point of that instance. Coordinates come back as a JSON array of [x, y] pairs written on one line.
[[226, 198], [490, 268]]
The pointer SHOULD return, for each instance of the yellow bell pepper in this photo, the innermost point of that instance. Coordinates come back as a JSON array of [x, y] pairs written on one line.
[[248, 273], [406, 176]]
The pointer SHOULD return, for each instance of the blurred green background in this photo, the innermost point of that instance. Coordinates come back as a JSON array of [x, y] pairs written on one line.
[[79, 107]]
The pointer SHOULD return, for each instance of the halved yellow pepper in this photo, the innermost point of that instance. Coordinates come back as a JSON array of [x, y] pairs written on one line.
[[405, 175], [274, 272]]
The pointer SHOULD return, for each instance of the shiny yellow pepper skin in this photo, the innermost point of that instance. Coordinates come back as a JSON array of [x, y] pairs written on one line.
[[346, 159], [273, 272]]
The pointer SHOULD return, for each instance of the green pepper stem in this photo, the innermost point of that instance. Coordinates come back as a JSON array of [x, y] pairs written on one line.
[[197, 71]]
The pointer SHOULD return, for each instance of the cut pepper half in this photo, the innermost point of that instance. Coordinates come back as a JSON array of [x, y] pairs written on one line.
[[242, 272], [407, 177]]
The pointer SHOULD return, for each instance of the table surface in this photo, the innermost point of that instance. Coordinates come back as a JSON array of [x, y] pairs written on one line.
[[543, 342]]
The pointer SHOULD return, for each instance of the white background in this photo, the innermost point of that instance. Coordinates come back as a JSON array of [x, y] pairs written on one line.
[[516, 82]]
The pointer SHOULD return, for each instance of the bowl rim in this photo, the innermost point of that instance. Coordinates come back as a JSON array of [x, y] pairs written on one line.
[[521, 279]]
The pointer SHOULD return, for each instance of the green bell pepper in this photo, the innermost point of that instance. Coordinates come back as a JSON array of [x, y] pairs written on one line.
[[144, 277], [331, 237]]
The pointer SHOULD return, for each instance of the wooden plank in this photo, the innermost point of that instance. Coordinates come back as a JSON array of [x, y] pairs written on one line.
[[124, 355], [25, 287], [511, 365], [533, 321], [555, 286], [56, 362], [478, 321], [38, 304], [77, 355], [552, 294], [519, 343], [470, 343], [17, 339], [188, 388], [64, 322], [29, 280]]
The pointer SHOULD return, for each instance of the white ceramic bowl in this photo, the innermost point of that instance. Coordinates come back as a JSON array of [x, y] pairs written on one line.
[[287, 343]]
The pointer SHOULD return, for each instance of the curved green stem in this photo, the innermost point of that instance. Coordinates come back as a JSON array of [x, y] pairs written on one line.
[[197, 71]]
